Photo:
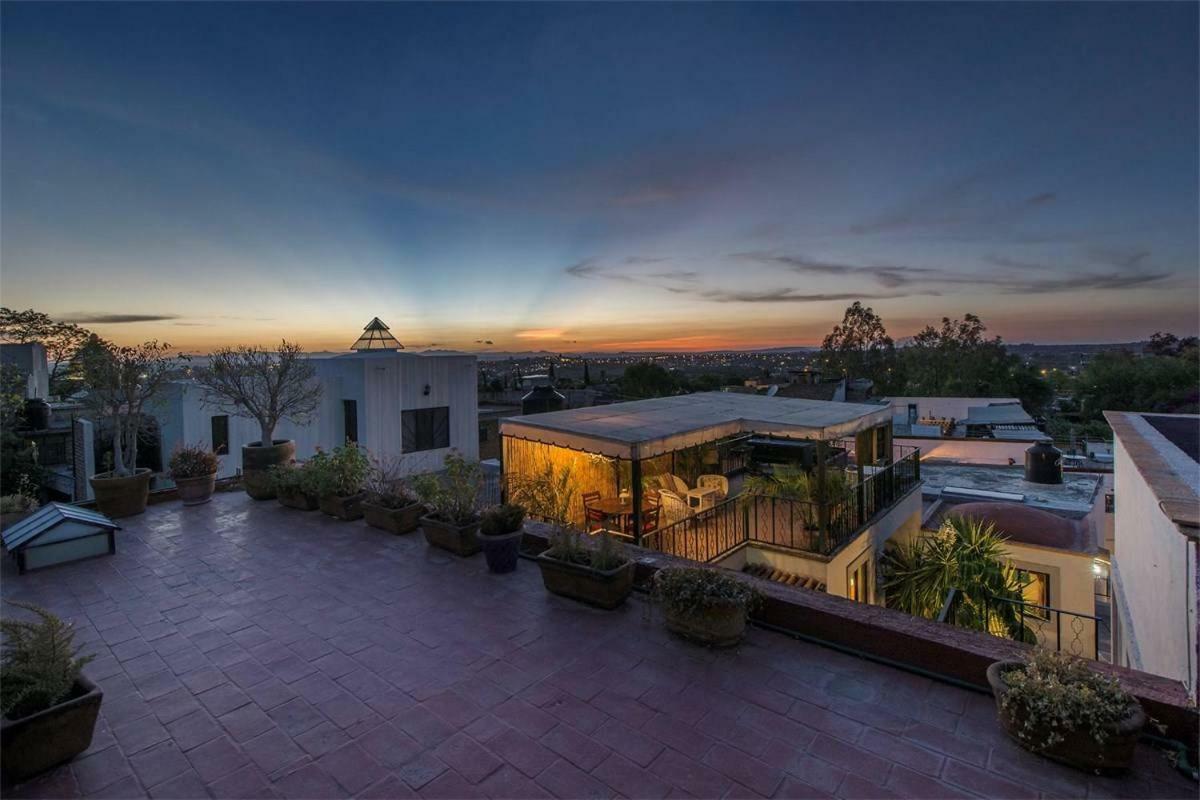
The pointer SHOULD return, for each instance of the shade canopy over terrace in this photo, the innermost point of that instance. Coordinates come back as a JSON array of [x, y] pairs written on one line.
[[647, 428]]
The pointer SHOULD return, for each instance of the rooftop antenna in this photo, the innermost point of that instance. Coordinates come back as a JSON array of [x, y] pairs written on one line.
[[376, 337]]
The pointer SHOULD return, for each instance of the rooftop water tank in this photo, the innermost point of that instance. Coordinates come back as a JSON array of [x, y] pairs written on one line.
[[1043, 463], [541, 399]]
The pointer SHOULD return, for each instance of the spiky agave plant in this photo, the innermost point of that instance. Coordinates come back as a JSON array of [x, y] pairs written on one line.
[[965, 554], [39, 662]]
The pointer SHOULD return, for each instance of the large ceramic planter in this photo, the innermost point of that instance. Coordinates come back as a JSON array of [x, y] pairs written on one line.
[[345, 508], [297, 499], [34, 744], [196, 491], [1078, 748], [399, 521], [502, 551], [458, 539], [607, 589], [257, 462], [715, 626], [121, 496]]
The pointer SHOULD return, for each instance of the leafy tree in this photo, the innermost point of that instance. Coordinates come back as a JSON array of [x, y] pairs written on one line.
[[19, 470], [1168, 344], [61, 340], [267, 386], [646, 379], [860, 348], [120, 382], [957, 359], [965, 554], [1122, 382]]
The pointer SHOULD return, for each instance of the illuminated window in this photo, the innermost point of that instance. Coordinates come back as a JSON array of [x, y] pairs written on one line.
[[425, 429], [1035, 593]]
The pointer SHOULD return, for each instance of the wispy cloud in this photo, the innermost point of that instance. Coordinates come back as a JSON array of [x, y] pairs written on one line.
[[888, 275], [100, 318]]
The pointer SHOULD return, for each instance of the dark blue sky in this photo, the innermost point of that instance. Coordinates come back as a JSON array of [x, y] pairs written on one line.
[[580, 176]]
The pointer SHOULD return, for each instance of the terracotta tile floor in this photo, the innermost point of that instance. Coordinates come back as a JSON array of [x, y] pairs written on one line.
[[246, 650]]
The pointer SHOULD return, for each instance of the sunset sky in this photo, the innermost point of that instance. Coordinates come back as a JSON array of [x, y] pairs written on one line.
[[577, 177]]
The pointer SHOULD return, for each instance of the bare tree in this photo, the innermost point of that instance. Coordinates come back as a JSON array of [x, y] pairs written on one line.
[[120, 381], [268, 386]]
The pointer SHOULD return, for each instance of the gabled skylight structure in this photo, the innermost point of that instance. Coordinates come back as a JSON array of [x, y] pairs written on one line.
[[376, 337]]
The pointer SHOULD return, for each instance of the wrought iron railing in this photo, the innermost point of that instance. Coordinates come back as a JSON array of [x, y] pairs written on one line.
[[795, 524], [1083, 635]]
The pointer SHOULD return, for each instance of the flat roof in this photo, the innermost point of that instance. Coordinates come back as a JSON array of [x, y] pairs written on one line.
[[1075, 495], [647, 428], [1163, 449]]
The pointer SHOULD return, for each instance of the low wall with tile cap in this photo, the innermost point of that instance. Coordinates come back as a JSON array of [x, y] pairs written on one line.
[[910, 642]]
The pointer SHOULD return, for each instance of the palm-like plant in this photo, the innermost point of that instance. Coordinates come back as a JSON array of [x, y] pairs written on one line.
[[965, 554], [790, 482]]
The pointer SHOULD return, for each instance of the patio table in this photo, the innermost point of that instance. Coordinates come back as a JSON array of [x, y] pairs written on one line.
[[619, 507]]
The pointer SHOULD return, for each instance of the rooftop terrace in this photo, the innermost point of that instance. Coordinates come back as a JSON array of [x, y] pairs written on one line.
[[251, 651]]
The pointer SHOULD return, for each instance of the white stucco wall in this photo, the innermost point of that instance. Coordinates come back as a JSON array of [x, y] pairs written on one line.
[[1154, 581]]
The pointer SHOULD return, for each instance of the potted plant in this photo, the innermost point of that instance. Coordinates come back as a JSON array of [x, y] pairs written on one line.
[[194, 470], [597, 572], [120, 381], [268, 386], [704, 604], [1055, 705], [49, 707], [340, 482], [295, 484], [452, 520], [500, 532], [390, 505]]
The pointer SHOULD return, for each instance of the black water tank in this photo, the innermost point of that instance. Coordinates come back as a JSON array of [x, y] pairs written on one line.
[[37, 413], [1043, 464], [542, 398]]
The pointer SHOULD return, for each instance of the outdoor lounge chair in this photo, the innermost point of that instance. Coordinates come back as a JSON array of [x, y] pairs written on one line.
[[718, 482]]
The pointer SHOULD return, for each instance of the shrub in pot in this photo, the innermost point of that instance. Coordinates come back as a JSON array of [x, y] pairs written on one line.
[[340, 477], [16, 507], [451, 497], [1055, 705], [120, 382], [269, 387], [390, 504], [49, 707], [597, 573], [500, 532], [295, 485], [194, 470], [704, 604]]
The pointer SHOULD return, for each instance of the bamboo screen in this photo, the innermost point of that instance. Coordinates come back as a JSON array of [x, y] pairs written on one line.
[[589, 472]]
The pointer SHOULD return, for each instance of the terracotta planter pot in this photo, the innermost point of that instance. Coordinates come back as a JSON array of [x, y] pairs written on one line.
[[502, 552], [300, 500], [257, 462], [716, 626], [34, 744], [346, 508], [405, 519], [196, 491], [122, 497], [603, 589], [1078, 747], [459, 540]]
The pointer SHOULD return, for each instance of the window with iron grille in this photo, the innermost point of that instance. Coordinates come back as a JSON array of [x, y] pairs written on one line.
[[220, 435], [350, 419], [425, 429]]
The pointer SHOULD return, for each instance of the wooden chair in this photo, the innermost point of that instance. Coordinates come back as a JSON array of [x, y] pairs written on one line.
[[650, 518], [654, 498], [593, 518]]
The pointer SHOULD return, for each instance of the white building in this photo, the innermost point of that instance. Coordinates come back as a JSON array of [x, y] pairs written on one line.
[[1157, 543], [416, 408]]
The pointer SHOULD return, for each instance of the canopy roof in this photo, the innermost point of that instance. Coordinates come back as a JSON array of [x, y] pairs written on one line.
[[647, 428]]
